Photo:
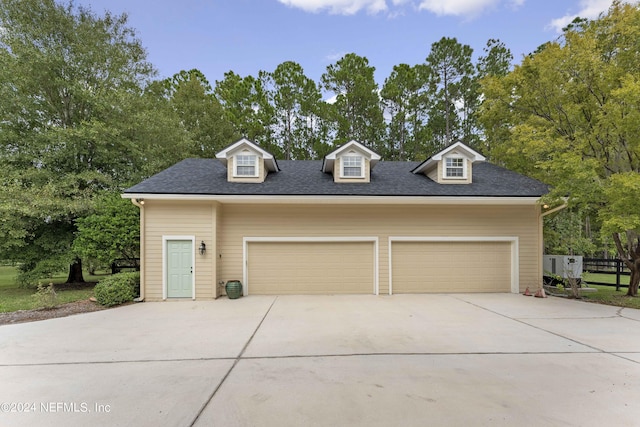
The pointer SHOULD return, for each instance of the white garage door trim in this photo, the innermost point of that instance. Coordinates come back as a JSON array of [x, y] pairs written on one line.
[[247, 240], [515, 269]]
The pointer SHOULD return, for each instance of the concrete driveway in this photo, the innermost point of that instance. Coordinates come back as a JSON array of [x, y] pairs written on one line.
[[405, 360]]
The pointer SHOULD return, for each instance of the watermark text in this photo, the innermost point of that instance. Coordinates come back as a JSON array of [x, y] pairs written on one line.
[[55, 407]]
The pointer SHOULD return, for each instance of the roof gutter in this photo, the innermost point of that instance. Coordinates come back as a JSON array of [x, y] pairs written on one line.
[[343, 199], [140, 204]]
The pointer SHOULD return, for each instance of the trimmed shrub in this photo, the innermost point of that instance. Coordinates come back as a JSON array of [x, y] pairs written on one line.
[[117, 289]]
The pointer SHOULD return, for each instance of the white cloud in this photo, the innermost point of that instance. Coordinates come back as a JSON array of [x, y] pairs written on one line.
[[439, 7], [331, 99], [457, 7], [589, 9], [338, 7], [334, 56]]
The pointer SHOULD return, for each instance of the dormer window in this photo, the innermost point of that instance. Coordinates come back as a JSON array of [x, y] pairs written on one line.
[[350, 163], [352, 166], [246, 162], [246, 165], [454, 167]]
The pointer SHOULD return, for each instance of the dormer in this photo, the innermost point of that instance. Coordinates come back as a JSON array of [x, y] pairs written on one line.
[[246, 162], [453, 165], [351, 162]]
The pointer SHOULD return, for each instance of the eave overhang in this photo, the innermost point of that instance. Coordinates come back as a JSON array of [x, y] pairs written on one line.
[[346, 200]]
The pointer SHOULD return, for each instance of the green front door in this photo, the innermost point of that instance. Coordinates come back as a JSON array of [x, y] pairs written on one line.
[[179, 269]]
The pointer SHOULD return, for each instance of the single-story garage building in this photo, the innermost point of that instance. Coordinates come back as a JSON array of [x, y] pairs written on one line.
[[350, 223]]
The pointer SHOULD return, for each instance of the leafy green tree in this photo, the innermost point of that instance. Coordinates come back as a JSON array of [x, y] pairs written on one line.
[[154, 134], [67, 80], [496, 59], [111, 232], [357, 111], [494, 64], [469, 101], [569, 116], [621, 220], [566, 233], [453, 70], [245, 103], [265, 115], [405, 94], [297, 106], [191, 97]]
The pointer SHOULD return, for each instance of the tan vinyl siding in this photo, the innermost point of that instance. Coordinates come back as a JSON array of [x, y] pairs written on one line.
[[421, 267], [433, 173], [179, 219], [310, 268], [382, 221]]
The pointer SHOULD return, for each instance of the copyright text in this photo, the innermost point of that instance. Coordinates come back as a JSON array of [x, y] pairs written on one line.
[[54, 407]]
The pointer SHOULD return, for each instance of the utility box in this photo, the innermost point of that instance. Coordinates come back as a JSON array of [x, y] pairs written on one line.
[[562, 266]]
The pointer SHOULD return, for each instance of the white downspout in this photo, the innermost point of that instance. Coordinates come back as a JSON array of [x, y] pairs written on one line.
[[140, 205]]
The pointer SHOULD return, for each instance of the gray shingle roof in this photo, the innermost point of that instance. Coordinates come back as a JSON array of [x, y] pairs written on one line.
[[298, 178]]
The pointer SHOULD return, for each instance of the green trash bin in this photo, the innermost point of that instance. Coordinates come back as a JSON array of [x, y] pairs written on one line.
[[234, 289]]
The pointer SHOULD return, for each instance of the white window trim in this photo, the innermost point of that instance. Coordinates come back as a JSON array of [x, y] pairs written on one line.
[[255, 166], [245, 252], [165, 239], [464, 167], [342, 175], [514, 240]]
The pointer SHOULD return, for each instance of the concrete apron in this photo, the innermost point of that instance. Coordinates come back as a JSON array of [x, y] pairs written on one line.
[[472, 359]]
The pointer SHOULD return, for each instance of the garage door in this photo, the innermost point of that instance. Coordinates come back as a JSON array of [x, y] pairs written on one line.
[[277, 268], [422, 267]]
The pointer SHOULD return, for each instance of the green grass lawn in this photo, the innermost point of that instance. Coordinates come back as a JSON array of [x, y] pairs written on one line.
[[608, 294], [604, 278], [13, 297]]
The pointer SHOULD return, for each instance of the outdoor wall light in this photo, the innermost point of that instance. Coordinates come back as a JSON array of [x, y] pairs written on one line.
[[141, 201], [203, 248]]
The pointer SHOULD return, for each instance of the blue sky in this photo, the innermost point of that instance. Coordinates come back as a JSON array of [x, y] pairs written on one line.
[[247, 36]]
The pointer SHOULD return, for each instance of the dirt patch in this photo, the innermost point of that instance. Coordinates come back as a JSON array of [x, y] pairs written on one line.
[[77, 307]]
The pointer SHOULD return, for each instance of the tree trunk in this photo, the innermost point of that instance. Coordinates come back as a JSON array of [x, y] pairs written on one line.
[[634, 280], [75, 272], [631, 258]]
